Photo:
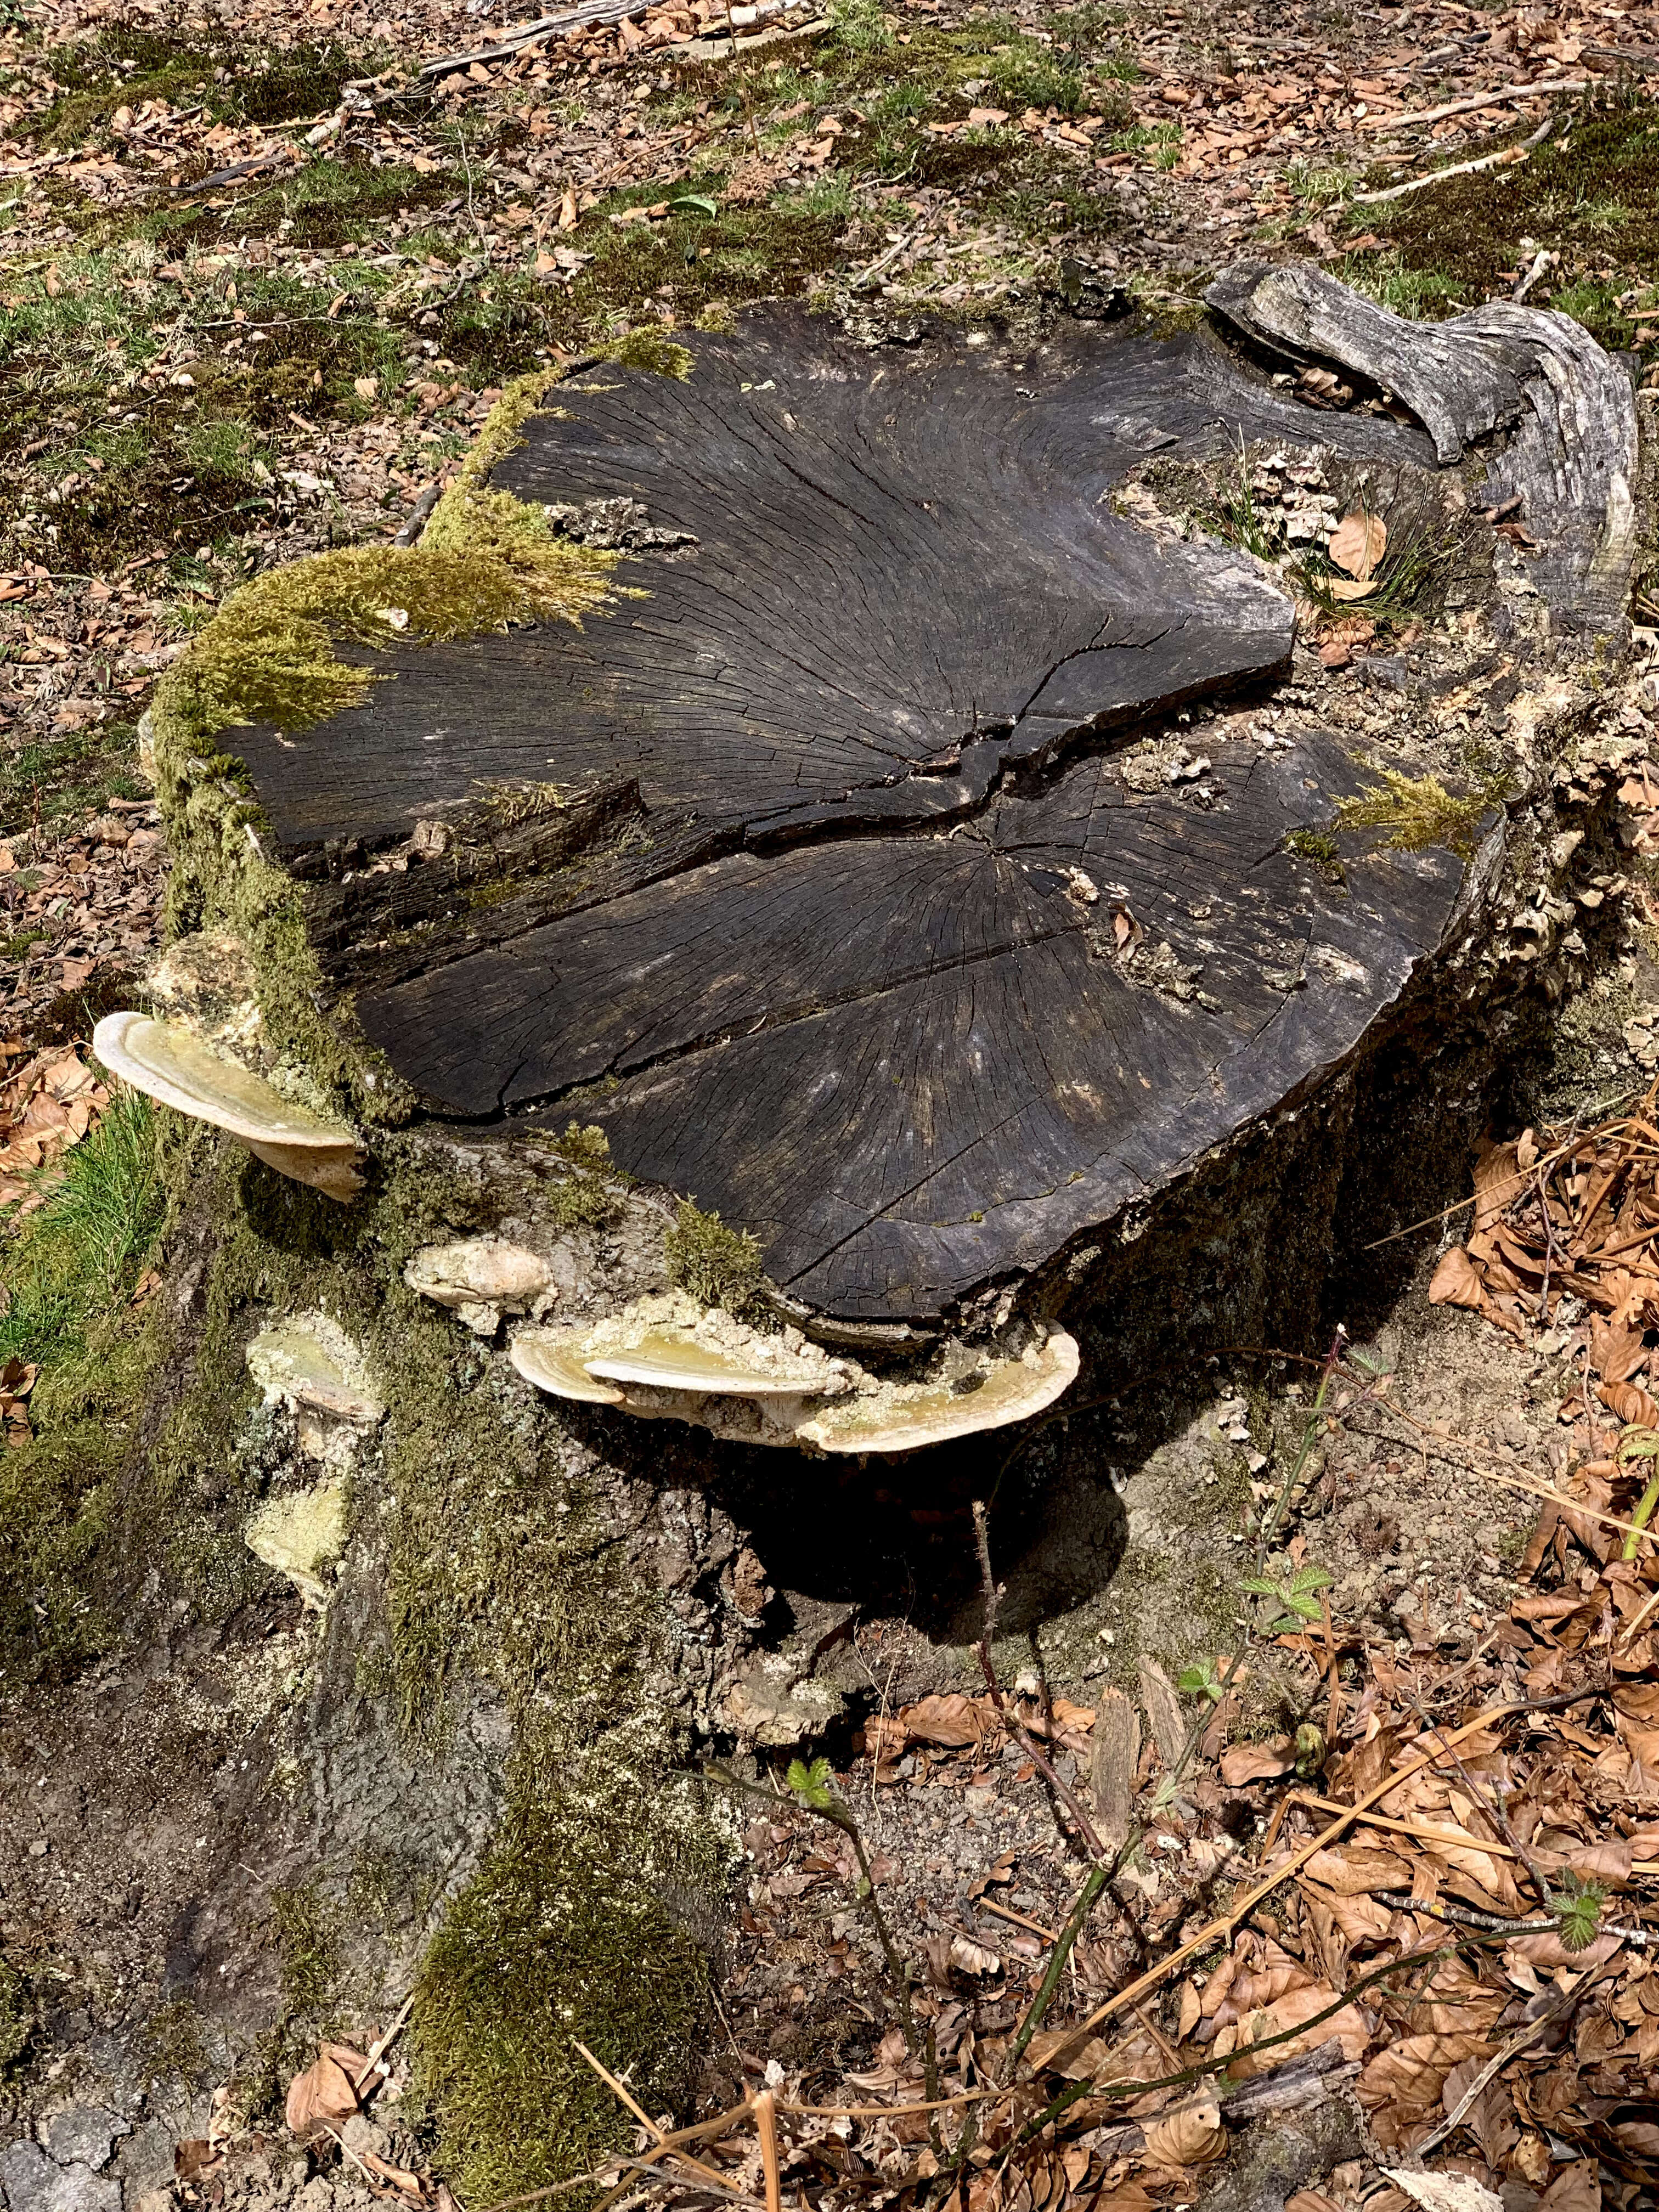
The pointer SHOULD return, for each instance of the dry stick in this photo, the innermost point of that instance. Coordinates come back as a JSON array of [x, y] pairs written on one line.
[[1492, 1806], [378, 2050], [766, 2127], [1228, 1921], [1563, 2001], [1411, 120], [1450, 1445], [1015, 1727], [1505, 157], [1427, 1832], [645, 2121]]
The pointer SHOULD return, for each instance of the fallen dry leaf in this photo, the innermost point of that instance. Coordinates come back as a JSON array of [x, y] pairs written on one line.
[[1253, 1762], [1191, 2137], [325, 2092], [1444, 2192], [1357, 545]]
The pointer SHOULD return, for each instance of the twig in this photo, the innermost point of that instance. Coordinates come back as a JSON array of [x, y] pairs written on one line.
[[1505, 157], [1011, 1720], [645, 2121], [378, 2050], [1007, 1913], [766, 2127], [1504, 96], [866, 275], [1226, 1922], [1562, 2001], [591, 13], [839, 1817], [416, 521]]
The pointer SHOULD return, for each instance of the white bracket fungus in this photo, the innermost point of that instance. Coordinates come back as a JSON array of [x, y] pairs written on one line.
[[665, 1358], [482, 1279], [169, 1064], [309, 1364], [300, 1532]]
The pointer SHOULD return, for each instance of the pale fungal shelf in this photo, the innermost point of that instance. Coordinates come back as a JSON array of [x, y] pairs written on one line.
[[665, 1358], [169, 1064], [483, 1280]]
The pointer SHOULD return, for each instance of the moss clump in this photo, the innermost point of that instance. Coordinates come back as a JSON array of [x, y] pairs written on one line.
[[569, 1929], [308, 1945], [1311, 845], [649, 350], [486, 559], [719, 1266], [1417, 811]]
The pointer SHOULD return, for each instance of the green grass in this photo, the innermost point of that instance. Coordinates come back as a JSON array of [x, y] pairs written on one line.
[[83, 1247], [71, 1268], [58, 780]]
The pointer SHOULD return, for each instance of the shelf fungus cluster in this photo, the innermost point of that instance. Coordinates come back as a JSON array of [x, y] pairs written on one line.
[[782, 758], [665, 1358], [168, 1062]]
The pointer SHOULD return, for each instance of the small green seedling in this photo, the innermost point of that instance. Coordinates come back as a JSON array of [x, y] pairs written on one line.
[[811, 1783], [1577, 1907], [1295, 1597], [1201, 1680]]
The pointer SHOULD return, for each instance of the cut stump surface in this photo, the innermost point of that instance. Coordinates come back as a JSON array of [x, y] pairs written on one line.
[[853, 916]]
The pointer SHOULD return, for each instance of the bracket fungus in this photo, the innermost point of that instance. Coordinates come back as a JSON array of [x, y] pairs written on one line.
[[169, 1064], [664, 1358], [308, 1364], [822, 828], [483, 1280]]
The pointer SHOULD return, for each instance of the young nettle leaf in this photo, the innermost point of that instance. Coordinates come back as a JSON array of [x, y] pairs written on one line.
[[1297, 1597], [811, 1783], [1199, 1681], [1577, 1905]]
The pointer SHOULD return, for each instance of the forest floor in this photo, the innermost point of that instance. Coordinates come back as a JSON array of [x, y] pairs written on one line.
[[260, 280]]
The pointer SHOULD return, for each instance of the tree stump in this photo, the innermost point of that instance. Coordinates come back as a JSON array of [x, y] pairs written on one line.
[[889, 793], [823, 861]]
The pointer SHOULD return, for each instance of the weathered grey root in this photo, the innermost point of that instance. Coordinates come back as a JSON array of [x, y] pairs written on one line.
[[1502, 367]]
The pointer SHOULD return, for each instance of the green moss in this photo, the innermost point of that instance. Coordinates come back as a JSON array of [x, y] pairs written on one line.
[[1591, 196], [566, 1930], [17, 2017], [486, 560], [308, 1945], [719, 1266], [650, 350], [1416, 812], [1311, 845]]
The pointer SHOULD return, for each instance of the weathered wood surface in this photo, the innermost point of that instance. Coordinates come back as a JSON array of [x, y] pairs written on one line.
[[1571, 459], [864, 934]]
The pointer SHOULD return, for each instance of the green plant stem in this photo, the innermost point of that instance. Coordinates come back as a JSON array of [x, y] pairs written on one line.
[[1093, 1882], [1640, 1517]]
